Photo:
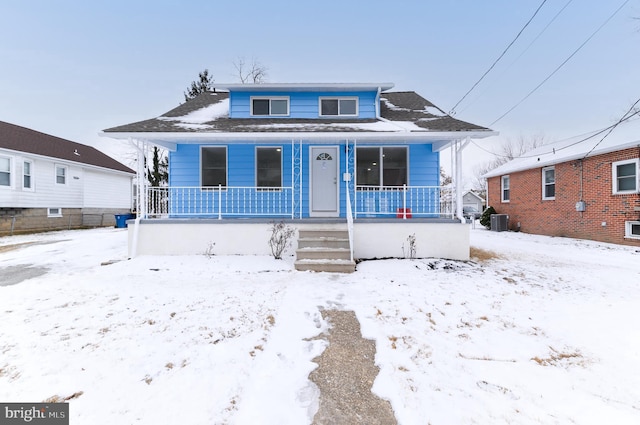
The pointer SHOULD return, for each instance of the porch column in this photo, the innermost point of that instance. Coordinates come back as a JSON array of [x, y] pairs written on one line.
[[459, 146]]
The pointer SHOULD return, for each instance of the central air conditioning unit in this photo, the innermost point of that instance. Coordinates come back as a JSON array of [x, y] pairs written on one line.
[[499, 222]]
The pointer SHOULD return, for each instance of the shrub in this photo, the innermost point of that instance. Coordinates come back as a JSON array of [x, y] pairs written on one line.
[[281, 235], [485, 218]]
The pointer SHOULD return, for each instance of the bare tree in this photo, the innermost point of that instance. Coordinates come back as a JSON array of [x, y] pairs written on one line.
[[510, 149], [253, 72]]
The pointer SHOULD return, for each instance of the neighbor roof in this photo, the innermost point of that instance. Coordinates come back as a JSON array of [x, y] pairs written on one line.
[[563, 151], [400, 112], [21, 139]]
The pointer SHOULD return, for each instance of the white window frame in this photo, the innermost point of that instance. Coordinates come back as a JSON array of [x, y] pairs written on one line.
[[381, 165], [31, 177], [338, 98], [627, 229], [54, 212], [502, 188], [66, 174], [279, 148], [11, 173], [270, 98], [226, 166], [544, 183], [614, 176]]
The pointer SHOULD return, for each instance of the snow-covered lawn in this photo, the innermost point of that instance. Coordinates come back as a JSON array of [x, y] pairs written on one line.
[[545, 330]]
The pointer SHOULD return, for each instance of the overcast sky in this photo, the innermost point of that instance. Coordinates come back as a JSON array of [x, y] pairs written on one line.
[[72, 68]]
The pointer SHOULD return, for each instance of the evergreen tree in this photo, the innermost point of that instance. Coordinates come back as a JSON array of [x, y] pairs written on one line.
[[204, 83], [158, 175]]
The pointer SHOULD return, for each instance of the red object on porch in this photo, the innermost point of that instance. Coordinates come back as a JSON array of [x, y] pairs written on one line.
[[401, 211]]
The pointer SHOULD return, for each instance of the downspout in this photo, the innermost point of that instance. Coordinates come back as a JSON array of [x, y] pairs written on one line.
[[142, 194], [377, 104], [458, 185]]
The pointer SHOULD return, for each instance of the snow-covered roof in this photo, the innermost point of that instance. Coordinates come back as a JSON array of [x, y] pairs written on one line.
[[404, 113], [555, 153], [307, 87]]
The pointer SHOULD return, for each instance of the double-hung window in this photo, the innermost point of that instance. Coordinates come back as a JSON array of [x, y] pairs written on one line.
[[549, 183], [269, 167], [27, 178], [213, 166], [338, 106], [381, 166], [505, 189], [5, 171], [270, 106], [61, 174], [625, 176]]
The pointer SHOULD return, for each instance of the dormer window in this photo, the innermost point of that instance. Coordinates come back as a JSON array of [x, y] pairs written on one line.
[[338, 106], [269, 106]]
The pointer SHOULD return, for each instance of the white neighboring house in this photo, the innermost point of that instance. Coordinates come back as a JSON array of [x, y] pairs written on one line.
[[51, 183], [472, 199]]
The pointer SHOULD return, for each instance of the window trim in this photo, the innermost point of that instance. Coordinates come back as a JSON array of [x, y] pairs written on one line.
[[614, 176], [31, 179], [226, 166], [11, 173], [270, 98], [502, 188], [338, 98], [381, 166], [66, 174], [51, 214], [281, 150], [627, 229], [544, 183]]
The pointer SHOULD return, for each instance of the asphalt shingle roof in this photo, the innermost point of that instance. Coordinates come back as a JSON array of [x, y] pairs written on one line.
[[22, 139], [405, 108]]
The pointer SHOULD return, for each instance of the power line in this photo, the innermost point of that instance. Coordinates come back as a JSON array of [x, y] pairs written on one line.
[[452, 112], [562, 64], [615, 125]]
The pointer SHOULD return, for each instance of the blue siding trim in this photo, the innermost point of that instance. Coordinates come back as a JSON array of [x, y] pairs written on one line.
[[302, 104]]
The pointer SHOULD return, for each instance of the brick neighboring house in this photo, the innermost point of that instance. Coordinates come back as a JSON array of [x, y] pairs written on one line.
[[49, 183], [568, 190]]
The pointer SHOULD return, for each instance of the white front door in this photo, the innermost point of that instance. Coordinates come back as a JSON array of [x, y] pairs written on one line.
[[324, 181]]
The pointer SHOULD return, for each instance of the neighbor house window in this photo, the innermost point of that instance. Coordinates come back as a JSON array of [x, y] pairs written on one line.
[[61, 174], [549, 183], [347, 106], [270, 106], [27, 179], [632, 229], [269, 167], [506, 194], [5, 171], [625, 176], [213, 166], [381, 166], [54, 212]]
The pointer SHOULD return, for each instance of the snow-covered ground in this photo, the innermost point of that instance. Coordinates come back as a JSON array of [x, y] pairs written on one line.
[[543, 331]]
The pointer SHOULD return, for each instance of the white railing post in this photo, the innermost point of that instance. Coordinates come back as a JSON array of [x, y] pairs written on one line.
[[219, 202], [404, 201]]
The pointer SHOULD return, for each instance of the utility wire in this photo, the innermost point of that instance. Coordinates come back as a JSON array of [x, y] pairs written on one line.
[[524, 51], [453, 110], [615, 125], [562, 64]]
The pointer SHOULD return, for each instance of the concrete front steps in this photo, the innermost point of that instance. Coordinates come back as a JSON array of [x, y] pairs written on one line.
[[324, 250]]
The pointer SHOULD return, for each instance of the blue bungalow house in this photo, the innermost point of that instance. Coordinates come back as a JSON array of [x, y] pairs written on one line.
[[352, 159]]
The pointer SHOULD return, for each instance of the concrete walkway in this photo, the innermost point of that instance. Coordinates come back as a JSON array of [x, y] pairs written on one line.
[[345, 375]]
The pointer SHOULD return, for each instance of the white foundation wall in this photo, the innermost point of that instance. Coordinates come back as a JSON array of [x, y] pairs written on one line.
[[371, 239]]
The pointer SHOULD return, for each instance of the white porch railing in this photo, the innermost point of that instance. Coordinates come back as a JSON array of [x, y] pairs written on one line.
[[220, 201], [367, 201], [404, 201]]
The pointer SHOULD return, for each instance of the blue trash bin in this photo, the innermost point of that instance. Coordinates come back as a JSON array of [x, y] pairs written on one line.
[[121, 220]]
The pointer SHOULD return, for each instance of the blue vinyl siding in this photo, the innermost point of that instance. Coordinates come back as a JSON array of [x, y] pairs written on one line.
[[301, 104]]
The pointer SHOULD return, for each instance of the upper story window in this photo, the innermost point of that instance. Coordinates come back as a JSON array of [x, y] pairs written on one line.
[[338, 106], [549, 183], [270, 106], [505, 189], [5, 171], [269, 167], [61, 174], [213, 163], [625, 176], [381, 166], [27, 178]]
